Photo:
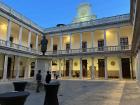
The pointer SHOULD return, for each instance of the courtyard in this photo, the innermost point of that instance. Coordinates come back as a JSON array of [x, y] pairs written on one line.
[[86, 92]]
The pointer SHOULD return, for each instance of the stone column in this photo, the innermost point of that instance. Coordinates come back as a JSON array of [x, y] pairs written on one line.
[[17, 66], [9, 32], [81, 40], [105, 40], [29, 39], [118, 36], [51, 45], [60, 68], [27, 69], [5, 68], [70, 35], [120, 67], [81, 69], [36, 41], [70, 68], [92, 37], [36, 70], [138, 66], [92, 71], [61, 44], [20, 35], [106, 71]]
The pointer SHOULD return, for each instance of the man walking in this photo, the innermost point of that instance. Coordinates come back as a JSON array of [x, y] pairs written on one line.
[[38, 79], [48, 77]]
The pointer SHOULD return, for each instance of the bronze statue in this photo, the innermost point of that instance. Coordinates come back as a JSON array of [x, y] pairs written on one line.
[[44, 43]]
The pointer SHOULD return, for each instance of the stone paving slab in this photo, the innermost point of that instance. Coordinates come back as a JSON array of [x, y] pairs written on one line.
[[74, 92]]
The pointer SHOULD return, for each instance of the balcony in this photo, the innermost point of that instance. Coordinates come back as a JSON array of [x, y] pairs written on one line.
[[107, 49], [8, 45]]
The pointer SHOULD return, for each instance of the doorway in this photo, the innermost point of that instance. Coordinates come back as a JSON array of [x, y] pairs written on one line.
[[54, 48], [101, 67], [126, 68], [84, 46], [67, 47], [100, 45], [67, 67], [9, 66], [84, 67]]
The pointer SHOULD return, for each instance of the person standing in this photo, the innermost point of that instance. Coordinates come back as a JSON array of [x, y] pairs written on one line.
[[38, 79], [48, 77]]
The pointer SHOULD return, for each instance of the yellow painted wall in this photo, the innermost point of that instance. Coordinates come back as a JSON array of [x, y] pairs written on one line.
[[126, 32], [98, 35], [25, 34], [111, 37], [3, 28], [75, 41], [33, 40], [15, 33]]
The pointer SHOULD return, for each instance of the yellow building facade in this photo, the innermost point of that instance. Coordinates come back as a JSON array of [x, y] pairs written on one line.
[[89, 49]]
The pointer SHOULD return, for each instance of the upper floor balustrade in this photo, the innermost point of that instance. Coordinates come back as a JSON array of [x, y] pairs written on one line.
[[6, 44], [91, 50]]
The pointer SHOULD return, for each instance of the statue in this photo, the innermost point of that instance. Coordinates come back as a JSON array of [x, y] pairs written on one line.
[[44, 43]]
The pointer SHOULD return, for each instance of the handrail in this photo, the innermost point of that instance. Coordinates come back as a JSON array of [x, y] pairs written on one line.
[[70, 51], [91, 50], [17, 47]]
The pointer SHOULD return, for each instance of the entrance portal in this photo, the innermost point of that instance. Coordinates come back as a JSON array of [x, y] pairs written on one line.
[[9, 66], [84, 67], [125, 68], [101, 68], [67, 67]]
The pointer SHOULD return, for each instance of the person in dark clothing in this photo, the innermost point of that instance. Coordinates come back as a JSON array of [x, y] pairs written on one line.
[[38, 79], [48, 77]]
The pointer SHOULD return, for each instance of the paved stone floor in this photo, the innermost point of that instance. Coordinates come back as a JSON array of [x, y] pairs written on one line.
[[76, 92]]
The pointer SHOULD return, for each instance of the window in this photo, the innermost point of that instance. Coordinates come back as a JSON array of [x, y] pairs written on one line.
[[84, 46], [124, 43], [100, 45], [67, 47]]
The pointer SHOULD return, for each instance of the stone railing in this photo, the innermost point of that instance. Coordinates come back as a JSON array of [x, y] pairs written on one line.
[[90, 50], [18, 47], [19, 15], [107, 20]]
